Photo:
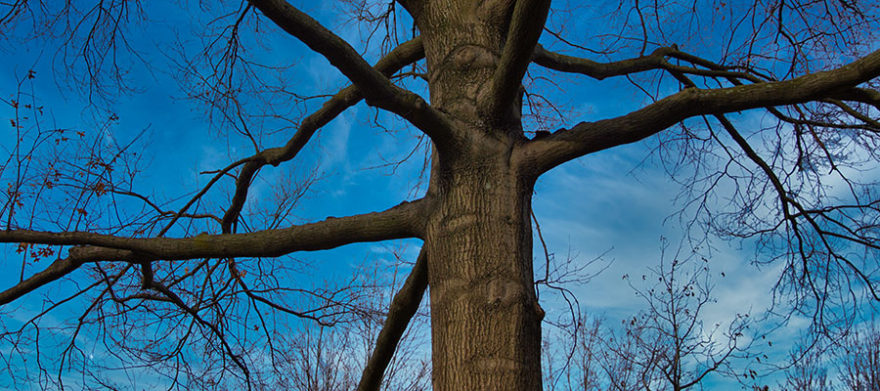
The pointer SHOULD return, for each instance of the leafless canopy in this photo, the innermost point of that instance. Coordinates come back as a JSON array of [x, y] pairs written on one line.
[[766, 112]]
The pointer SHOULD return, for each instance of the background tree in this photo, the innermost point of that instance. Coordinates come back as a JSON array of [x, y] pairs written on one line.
[[329, 358], [667, 346], [807, 372], [851, 359], [859, 364], [670, 340], [163, 283]]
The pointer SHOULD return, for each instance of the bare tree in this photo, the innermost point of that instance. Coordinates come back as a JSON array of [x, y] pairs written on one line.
[[669, 341], [584, 370], [328, 358], [808, 371], [666, 345], [193, 289], [852, 359], [859, 364]]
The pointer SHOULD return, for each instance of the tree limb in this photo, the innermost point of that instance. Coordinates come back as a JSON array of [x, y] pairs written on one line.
[[402, 221], [526, 25], [405, 54], [588, 137], [378, 90], [60, 268], [861, 95], [403, 307], [598, 70], [654, 61], [414, 7]]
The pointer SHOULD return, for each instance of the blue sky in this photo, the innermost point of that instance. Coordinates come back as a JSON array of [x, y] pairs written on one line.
[[615, 204]]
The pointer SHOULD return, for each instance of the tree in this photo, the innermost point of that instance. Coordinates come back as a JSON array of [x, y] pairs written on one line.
[[806, 65], [669, 342], [853, 358], [329, 358], [807, 372], [859, 367], [667, 346]]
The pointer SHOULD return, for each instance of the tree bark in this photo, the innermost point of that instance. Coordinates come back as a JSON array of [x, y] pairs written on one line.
[[485, 318]]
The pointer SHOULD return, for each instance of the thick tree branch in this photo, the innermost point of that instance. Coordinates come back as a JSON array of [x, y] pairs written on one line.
[[598, 70], [861, 95], [654, 61], [526, 25], [588, 137], [62, 267], [405, 54], [402, 221], [59, 268], [377, 89], [403, 307]]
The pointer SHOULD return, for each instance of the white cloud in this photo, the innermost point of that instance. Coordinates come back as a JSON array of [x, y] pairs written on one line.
[[605, 202]]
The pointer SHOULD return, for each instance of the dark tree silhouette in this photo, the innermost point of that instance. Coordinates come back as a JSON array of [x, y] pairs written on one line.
[[180, 288], [667, 345], [859, 363]]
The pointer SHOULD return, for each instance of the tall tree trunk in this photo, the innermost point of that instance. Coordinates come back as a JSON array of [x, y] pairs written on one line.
[[485, 318]]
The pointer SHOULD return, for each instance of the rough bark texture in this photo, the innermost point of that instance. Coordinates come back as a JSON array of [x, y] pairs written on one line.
[[475, 217], [485, 319], [484, 313]]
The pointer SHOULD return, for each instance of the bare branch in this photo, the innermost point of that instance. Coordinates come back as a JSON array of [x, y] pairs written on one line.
[[401, 221], [414, 7], [378, 90], [62, 267], [405, 54], [598, 70], [526, 25], [403, 307], [588, 137], [655, 61], [862, 95]]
